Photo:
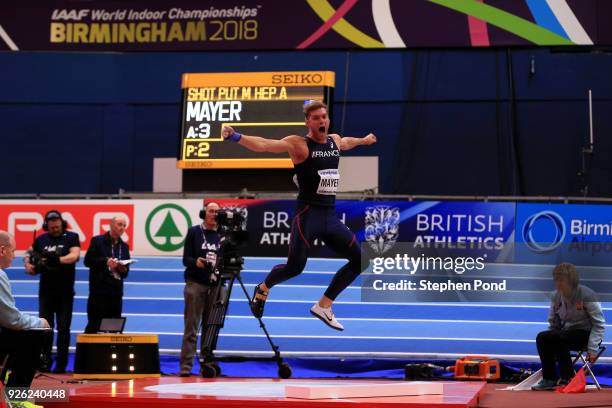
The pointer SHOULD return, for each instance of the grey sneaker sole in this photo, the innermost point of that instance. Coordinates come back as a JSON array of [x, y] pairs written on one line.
[[325, 321]]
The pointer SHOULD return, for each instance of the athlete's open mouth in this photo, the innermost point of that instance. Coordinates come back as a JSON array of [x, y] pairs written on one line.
[[322, 129]]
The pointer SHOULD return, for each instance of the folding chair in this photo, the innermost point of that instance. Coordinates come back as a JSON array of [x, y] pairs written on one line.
[[581, 355]]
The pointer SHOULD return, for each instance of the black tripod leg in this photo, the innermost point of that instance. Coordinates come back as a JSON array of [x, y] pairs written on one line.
[[213, 322], [274, 347]]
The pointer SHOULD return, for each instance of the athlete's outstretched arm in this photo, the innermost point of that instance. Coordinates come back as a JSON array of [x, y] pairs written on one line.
[[347, 143], [256, 143]]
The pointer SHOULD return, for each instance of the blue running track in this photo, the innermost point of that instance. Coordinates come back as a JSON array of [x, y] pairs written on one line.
[[153, 303]]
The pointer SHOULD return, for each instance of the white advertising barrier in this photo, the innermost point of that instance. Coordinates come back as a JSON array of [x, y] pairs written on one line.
[[154, 227], [160, 226]]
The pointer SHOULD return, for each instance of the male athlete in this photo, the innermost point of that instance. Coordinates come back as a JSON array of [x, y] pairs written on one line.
[[315, 157]]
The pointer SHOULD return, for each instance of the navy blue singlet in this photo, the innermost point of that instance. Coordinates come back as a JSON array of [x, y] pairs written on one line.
[[318, 176]]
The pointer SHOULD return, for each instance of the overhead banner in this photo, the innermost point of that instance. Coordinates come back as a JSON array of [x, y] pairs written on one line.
[[178, 25]]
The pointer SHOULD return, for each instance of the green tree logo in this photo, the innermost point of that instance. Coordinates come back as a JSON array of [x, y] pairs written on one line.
[[163, 236], [168, 229]]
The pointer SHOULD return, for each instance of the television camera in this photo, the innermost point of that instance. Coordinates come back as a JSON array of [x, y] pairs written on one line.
[[231, 226]]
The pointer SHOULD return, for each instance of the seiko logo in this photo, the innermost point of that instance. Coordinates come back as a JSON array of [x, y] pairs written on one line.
[[121, 339], [288, 79], [328, 153]]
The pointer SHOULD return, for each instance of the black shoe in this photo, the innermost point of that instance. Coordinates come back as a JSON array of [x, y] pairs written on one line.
[[185, 375], [59, 370], [258, 302]]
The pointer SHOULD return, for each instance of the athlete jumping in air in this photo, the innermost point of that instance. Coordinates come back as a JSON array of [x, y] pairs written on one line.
[[315, 158]]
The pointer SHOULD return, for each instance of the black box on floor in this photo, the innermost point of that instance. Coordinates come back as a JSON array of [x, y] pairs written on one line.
[[106, 356]]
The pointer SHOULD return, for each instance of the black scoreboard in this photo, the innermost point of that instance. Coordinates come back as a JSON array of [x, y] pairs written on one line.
[[267, 104]]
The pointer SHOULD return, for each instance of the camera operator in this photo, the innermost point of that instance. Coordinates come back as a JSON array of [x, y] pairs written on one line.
[[106, 274], [53, 256], [200, 254]]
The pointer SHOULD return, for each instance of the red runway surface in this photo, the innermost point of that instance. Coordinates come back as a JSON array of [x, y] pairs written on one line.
[[232, 392]]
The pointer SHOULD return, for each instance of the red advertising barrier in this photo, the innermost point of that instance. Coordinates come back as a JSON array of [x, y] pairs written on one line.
[[25, 221]]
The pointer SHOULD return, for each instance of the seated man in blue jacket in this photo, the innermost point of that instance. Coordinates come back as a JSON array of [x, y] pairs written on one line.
[[106, 274], [17, 335]]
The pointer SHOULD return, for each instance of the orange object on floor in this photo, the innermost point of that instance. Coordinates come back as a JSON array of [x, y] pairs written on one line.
[[476, 368]]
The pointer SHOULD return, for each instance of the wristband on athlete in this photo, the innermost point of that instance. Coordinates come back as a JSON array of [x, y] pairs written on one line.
[[235, 137]]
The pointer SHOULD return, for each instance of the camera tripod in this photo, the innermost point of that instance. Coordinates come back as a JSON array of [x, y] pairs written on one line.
[[220, 298]]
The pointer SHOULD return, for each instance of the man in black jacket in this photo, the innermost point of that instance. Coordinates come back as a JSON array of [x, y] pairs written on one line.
[[105, 259], [54, 255], [200, 259]]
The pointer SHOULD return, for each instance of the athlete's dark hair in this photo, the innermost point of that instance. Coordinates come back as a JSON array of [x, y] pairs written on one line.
[[313, 105]]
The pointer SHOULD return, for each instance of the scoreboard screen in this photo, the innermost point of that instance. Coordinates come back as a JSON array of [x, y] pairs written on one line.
[[267, 104]]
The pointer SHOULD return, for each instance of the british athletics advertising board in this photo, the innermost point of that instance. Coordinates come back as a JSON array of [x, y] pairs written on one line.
[[381, 224]]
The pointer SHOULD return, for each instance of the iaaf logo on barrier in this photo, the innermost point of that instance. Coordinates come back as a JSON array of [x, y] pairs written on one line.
[[87, 220]]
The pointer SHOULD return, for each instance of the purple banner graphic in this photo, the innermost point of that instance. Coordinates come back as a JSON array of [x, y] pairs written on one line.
[[175, 25]]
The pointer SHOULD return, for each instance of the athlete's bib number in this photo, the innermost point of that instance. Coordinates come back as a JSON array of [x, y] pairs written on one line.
[[329, 181]]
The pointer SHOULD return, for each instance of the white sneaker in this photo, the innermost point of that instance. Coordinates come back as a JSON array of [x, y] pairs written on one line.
[[327, 316]]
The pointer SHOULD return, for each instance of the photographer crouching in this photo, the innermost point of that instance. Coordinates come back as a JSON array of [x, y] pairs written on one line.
[[53, 255], [202, 248]]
